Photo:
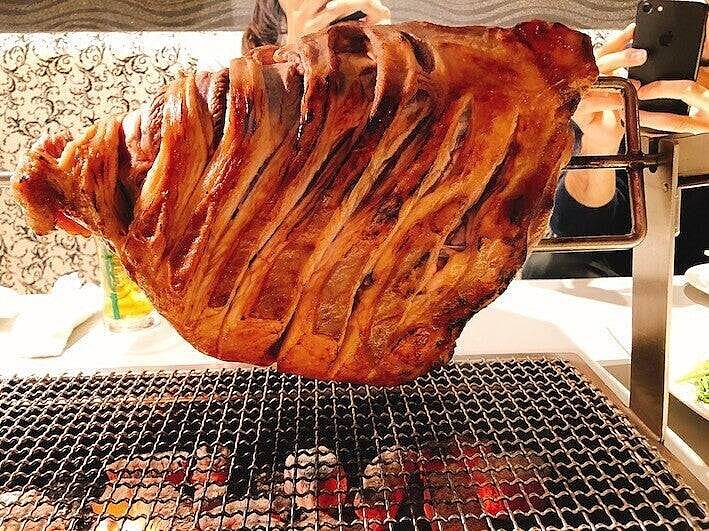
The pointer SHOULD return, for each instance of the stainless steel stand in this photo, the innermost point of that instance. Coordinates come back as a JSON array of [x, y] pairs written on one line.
[[653, 264], [656, 173], [653, 260]]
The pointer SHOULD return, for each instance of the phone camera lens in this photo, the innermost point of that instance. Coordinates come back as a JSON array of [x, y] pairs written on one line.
[[647, 7]]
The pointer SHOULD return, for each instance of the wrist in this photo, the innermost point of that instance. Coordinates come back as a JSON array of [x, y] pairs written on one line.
[[600, 144]]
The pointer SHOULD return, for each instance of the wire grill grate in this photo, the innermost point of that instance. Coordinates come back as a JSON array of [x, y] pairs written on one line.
[[486, 445]]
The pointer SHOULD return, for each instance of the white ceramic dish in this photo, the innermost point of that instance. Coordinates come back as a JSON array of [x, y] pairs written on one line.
[[698, 277], [687, 393]]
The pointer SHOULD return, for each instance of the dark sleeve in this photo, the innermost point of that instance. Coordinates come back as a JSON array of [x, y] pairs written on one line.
[[571, 218]]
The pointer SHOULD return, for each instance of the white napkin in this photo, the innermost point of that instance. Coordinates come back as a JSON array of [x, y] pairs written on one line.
[[9, 303], [45, 323]]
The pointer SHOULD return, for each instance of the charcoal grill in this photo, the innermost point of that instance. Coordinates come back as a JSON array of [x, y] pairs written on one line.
[[550, 450], [516, 443]]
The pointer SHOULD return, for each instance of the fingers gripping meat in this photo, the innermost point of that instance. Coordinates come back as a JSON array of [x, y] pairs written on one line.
[[340, 205]]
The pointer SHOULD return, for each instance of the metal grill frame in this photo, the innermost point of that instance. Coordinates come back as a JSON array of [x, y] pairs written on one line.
[[634, 161], [668, 163], [214, 396]]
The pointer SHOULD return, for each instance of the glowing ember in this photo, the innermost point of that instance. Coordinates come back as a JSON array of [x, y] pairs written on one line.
[[321, 520], [472, 480], [210, 468], [164, 464], [248, 513], [141, 507], [174, 492], [385, 484], [29, 511], [155, 493], [316, 478]]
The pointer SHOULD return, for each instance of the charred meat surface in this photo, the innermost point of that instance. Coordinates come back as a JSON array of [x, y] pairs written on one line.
[[340, 206]]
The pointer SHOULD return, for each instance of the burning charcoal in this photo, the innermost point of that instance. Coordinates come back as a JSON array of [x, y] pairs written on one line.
[[154, 523], [385, 487], [208, 468], [464, 455], [169, 524], [30, 511], [518, 478], [246, 513], [312, 520], [164, 464], [472, 480], [443, 507], [263, 482], [455, 483], [316, 478], [271, 486], [134, 500], [211, 496]]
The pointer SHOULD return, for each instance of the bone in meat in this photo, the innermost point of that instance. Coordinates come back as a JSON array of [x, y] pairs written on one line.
[[340, 206]]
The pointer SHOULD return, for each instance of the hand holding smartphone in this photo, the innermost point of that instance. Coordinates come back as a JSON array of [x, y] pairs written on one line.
[[672, 33]]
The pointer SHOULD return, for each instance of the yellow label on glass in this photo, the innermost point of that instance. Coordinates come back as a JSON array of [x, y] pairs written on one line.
[[122, 297]]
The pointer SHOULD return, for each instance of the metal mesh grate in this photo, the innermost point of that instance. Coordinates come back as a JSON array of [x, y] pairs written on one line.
[[494, 444]]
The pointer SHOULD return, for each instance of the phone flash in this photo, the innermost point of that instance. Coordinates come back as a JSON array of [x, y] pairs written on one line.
[[660, 8]]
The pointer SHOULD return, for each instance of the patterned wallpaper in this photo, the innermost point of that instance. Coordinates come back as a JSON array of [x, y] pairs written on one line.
[[55, 81]]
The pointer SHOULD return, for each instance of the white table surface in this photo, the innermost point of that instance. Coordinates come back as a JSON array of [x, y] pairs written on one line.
[[590, 317], [587, 316]]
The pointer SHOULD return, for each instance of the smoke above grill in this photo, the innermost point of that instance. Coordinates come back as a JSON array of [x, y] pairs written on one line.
[[514, 444]]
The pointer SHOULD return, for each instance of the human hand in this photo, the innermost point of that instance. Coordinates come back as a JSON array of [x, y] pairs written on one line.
[[308, 16], [599, 112], [693, 93], [598, 115]]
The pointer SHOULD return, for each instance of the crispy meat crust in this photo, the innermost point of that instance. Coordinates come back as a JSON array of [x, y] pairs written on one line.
[[340, 206]]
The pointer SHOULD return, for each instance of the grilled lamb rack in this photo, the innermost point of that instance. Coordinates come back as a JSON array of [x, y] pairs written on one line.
[[340, 206]]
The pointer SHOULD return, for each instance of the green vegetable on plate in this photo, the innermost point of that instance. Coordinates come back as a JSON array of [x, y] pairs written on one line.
[[700, 378]]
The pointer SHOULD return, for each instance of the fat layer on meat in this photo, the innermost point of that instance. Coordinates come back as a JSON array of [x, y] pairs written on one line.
[[339, 206]]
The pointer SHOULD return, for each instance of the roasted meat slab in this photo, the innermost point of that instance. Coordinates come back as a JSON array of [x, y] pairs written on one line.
[[340, 206]]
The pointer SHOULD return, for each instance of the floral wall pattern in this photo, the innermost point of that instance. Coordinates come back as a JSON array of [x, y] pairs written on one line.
[[49, 82], [53, 81]]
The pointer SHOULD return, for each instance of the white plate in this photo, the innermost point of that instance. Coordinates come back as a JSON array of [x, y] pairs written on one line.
[[698, 277], [687, 393], [9, 303]]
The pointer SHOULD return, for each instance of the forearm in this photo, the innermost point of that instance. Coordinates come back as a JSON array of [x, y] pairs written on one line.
[[590, 202], [593, 188]]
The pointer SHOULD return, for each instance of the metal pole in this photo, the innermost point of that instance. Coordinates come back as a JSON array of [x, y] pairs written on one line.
[[653, 263]]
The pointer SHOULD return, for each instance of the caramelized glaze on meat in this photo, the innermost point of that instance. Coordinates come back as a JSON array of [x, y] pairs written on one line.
[[340, 206]]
